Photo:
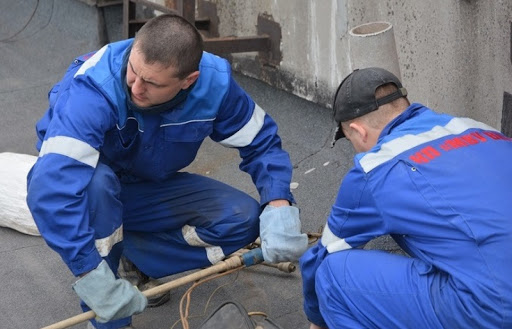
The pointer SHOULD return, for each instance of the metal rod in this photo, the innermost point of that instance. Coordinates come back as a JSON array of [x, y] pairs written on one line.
[[237, 44]]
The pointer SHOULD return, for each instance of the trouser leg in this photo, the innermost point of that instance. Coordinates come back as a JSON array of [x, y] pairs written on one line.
[[375, 289], [105, 217], [187, 222]]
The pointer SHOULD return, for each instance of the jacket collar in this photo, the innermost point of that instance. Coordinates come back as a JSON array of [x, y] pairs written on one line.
[[413, 110]]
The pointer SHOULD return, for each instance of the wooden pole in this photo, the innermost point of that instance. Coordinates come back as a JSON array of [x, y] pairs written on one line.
[[222, 266]]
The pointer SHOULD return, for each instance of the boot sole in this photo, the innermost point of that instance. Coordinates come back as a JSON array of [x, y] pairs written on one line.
[[159, 300]]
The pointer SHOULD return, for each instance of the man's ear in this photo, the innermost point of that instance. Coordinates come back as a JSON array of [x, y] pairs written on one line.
[[190, 79], [359, 129]]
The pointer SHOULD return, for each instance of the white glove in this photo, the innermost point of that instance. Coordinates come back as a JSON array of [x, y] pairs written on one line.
[[281, 238], [108, 297]]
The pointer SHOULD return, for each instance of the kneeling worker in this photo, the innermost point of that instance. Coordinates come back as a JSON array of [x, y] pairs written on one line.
[[441, 187], [109, 185]]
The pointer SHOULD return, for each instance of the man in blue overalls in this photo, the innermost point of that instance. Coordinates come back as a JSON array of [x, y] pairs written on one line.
[[121, 125], [441, 186]]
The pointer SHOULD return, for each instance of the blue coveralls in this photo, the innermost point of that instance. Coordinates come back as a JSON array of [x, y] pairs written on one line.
[[108, 176], [442, 187]]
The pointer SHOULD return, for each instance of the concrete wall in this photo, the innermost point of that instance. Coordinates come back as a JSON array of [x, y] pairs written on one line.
[[454, 55]]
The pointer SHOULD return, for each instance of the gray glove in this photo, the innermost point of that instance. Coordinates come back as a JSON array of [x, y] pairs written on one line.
[[281, 238], [108, 297]]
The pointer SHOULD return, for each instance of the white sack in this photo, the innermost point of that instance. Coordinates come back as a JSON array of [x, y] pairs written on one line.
[[14, 212]]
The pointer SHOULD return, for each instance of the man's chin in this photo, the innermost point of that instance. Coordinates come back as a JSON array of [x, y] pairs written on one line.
[[140, 103]]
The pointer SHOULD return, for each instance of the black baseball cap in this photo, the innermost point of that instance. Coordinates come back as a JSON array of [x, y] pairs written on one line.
[[355, 96]]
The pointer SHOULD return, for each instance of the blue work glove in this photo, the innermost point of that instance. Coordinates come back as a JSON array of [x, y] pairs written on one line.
[[281, 238], [108, 297]]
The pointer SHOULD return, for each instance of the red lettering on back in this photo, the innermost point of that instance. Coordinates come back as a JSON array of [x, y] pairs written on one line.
[[418, 158], [425, 155], [493, 135], [456, 142], [497, 136], [430, 152], [478, 136], [469, 139]]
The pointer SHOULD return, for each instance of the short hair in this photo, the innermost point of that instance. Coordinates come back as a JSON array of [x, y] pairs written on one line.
[[170, 40]]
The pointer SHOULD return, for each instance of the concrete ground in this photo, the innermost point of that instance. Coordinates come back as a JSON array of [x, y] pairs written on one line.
[[38, 39]]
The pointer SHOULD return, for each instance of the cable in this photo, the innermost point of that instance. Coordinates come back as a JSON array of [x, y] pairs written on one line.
[[10, 39], [184, 305], [24, 26], [184, 311]]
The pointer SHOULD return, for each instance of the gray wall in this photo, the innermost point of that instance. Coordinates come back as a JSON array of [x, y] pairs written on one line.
[[454, 55]]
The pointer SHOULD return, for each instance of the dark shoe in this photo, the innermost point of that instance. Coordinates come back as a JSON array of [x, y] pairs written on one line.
[[128, 271]]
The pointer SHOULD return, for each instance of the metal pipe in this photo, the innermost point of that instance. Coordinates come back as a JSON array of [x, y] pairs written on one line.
[[373, 44]]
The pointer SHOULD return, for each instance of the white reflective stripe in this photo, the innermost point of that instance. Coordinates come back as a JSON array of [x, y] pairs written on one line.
[[105, 245], [190, 235], [71, 147], [91, 61], [130, 118], [214, 253], [398, 145], [333, 243], [246, 135], [185, 122]]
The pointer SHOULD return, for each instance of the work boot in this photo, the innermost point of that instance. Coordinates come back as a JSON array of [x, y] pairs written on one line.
[[130, 272]]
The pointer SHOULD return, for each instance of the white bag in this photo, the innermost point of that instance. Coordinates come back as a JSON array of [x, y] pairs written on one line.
[[14, 212]]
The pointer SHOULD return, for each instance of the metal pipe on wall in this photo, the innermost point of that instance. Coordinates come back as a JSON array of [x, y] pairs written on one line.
[[373, 44]]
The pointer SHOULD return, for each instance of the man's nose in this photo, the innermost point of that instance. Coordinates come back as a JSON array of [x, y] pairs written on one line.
[[138, 86]]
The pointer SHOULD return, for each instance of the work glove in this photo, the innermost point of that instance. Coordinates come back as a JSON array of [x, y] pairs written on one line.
[[281, 238], [108, 297]]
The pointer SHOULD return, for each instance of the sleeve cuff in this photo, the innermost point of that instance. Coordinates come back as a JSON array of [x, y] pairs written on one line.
[[85, 264], [268, 195]]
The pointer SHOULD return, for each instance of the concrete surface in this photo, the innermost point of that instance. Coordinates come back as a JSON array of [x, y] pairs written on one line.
[[37, 41]]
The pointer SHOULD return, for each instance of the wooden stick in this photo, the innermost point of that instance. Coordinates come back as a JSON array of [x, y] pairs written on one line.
[[230, 263]]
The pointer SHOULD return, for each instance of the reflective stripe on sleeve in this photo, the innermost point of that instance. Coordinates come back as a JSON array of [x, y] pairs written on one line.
[[214, 253], [104, 245], [72, 148], [401, 144], [246, 135], [333, 243], [91, 61]]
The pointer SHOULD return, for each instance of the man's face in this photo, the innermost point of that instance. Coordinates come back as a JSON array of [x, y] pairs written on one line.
[[153, 84]]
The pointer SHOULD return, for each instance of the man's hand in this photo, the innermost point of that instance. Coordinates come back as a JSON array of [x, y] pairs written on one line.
[[108, 297], [314, 326], [281, 238], [279, 203]]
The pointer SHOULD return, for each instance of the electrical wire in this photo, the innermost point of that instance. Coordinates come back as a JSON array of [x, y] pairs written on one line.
[[185, 300], [24, 26], [12, 37], [184, 310]]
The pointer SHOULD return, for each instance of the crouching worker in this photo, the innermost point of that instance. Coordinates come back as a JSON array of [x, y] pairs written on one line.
[[108, 184], [441, 186]]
